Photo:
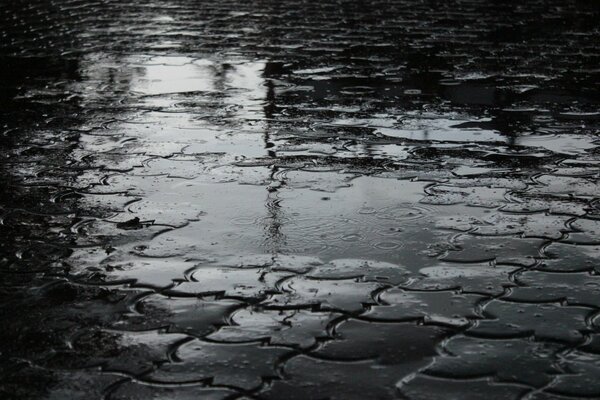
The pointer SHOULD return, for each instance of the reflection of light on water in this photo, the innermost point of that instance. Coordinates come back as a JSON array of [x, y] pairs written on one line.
[[247, 76], [452, 127], [213, 90], [566, 144], [163, 18], [442, 127], [165, 75], [242, 83]]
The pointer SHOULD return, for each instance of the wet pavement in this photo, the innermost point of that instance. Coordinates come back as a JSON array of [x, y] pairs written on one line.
[[299, 200]]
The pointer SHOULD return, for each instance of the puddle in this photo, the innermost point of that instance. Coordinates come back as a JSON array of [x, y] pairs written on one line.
[[299, 201]]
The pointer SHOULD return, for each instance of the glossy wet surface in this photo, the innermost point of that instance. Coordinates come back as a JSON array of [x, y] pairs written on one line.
[[299, 200]]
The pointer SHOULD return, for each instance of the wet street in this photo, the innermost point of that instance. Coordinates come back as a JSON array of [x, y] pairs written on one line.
[[309, 200]]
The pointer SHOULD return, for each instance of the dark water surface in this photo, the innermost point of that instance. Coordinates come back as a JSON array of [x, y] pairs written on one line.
[[299, 200]]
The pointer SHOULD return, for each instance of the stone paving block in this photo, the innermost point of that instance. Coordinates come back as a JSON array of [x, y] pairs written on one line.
[[566, 185], [142, 350], [506, 360], [502, 250], [547, 396], [443, 307], [299, 328], [239, 365], [581, 379], [388, 343], [532, 203], [545, 321], [283, 199], [481, 278], [142, 391], [81, 384], [528, 225], [299, 264], [24, 380], [156, 273], [309, 378], [249, 283], [477, 196], [370, 271], [344, 295], [423, 387], [194, 316], [563, 257], [592, 345], [541, 286], [587, 232]]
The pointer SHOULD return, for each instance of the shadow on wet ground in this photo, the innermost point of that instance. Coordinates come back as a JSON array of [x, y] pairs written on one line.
[[299, 200]]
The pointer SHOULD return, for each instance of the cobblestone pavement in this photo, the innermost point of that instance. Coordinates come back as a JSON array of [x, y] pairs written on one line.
[[299, 200]]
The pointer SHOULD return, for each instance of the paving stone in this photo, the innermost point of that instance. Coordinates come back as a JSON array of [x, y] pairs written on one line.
[[231, 282], [532, 203], [547, 396], [593, 344], [564, 257], [138, 390], [194, 316], [581, 379], [541, 286], [482, 278], [371, 271], [504, 250], [388, 343], [292, 263], [528, 225], [239, 365], [545, 321], [309, 378], [566, 185], [130, 352], [587, 232], [148, 272], [474, 196], [81, 384], [423, 387], [283, 199], [344, 295], [507, 360], [298, 328], [432, 306]]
